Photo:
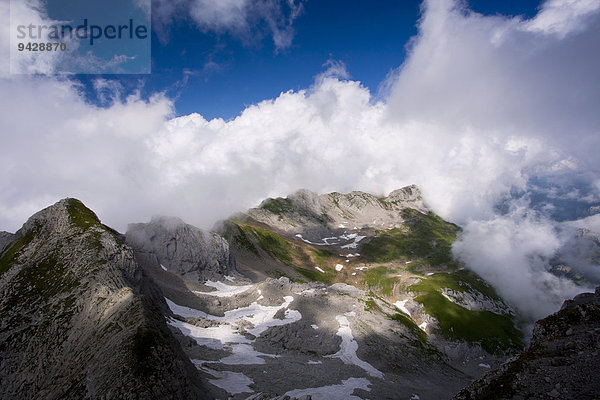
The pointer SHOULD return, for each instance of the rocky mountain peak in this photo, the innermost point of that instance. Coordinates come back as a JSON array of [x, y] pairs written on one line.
[[182, 248], [305, 199], [170, 223], [61, 216], [51, 225], [410, 193]]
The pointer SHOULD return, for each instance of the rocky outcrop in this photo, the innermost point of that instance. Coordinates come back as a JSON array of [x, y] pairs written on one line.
[[561, 362], [5, 239], [183, 249], [79, 319], [408, 195]]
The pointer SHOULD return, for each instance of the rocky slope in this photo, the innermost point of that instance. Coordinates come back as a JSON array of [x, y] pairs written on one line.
[[279, 338], [561, 361], [392, 248], [80, 319]]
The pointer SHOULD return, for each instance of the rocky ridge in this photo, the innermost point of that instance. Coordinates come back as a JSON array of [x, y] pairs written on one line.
[[79, 318], [316, 214]]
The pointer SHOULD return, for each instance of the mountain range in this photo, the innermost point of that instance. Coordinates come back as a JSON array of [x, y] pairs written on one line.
[[335, 296]]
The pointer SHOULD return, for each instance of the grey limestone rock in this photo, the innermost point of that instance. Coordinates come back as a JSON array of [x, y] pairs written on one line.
[[183, 249]]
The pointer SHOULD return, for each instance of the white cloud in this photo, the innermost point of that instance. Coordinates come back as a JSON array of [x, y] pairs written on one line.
[[333, 69], [25, 13], [480, 107], [238, 17], [513, 252], [561, 17]]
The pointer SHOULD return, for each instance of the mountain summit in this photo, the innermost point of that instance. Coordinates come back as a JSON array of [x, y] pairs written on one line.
[[80, 319]]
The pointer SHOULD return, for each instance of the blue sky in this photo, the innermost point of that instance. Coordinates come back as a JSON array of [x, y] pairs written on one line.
[[218, 74]]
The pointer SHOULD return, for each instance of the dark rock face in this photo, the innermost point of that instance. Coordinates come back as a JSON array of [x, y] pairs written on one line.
[[79, 319], [183, 249], [562, 361]]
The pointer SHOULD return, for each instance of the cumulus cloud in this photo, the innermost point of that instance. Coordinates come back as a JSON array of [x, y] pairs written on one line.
[[514, 251], [241, 18], [561, 17], [485, 114]]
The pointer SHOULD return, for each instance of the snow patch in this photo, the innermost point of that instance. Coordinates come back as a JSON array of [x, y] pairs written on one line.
[[324, 241], [348, 348], [214, 337], [314, 362], [224, 290], [244, 354], [232, 382], [226, 336], [342, 391], [320, 270], [314, 326], [163, 267], [357, 238], [339, 267], [423, 326], [401, 305], [306, 291], [485, 366], [335, 240], [262, 317], [229, 278]]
